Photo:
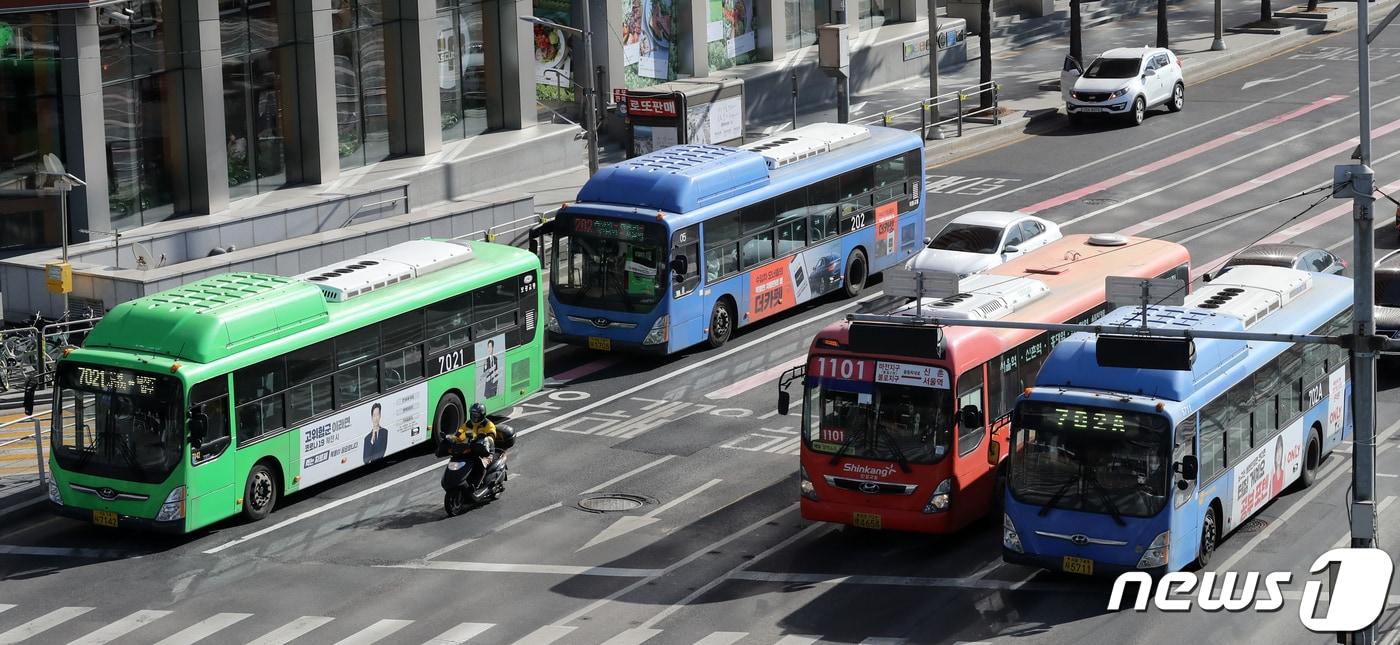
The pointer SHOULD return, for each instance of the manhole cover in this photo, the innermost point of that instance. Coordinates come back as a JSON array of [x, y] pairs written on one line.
[[611, 503], [1253, 526], [1099, 201]]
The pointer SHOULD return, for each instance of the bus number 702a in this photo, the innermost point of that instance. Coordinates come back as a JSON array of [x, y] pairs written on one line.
[[452, 360]]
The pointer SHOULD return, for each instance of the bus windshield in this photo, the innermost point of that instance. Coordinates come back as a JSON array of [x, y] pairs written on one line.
[[1097, 460], [118, 423], [895, 423], [610, 264]]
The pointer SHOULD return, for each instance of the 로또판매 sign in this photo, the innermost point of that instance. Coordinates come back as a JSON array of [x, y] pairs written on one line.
[[915, 375]]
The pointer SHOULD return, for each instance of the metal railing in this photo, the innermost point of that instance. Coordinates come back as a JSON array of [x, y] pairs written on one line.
[[927, 113], [355, 215], [34, 351], [10, 444]]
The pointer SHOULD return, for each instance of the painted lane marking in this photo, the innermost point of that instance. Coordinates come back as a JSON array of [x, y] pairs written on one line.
[[1155, 166], [545, 635], [905, 581], [203, 629], [375, 633], [797, 639], [632, 637], [460, 634], [586, 369], [1317, 489], [722, 638], [42, 624], [292, 631], [751, 382], [544, 569], [1265, 179], [629, 523], [1146, 144], [461, 543], [122, 627]]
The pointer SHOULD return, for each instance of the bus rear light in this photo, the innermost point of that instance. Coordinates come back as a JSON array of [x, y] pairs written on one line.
[[660, 331], [1010, 539], [1157, 552], [942, 497], [54, 495], [174, 506], [804, 484]]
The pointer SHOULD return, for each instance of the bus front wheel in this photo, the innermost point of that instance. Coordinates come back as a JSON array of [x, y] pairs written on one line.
[[1209, 537], [260, 493], [856, 273], [721, 324]]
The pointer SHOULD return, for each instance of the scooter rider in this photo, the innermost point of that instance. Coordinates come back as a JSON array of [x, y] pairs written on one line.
[[479, 428]]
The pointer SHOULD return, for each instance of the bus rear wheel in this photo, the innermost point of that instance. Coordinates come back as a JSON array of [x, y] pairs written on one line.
[[856, 273], [721, 324], [1311, 459], [259, 493], [1209, 537], [449, 417]]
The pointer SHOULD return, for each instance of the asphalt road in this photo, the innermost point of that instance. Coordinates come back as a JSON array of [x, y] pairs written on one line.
[[718, 554]]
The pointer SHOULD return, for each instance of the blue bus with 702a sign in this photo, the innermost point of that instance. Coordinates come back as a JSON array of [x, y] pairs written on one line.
[[687, 244], [1119, 468]]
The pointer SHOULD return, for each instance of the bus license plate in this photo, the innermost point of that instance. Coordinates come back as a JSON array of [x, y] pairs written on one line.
[[604, 344], [1083, 566], [104, 518], [866, 521]]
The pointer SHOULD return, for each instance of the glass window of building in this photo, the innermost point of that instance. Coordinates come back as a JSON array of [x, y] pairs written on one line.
[[138, 111], [874, 13], [361, 89], [31, 121], [803, 17], [253, 52], [461, 68]]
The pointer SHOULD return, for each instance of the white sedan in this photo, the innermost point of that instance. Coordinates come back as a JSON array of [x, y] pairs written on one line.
[[980, 240]]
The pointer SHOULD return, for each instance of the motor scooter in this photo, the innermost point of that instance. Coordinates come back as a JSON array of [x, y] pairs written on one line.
[[464, 460]]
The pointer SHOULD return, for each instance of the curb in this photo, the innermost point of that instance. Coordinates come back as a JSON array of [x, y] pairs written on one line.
[[22, 504], [1041, 121]]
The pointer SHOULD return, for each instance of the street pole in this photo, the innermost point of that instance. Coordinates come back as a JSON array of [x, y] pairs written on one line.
[[590, 115], [1363, 356], [1218, 44], [63, 224], [794, 99], [937, 132]]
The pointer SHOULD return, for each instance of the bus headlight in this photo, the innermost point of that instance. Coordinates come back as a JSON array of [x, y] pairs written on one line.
[[660, 331], [1010, 539], [551, 324], [1157, 552], [53, 492], [804, 484], [174, 506], [942, 497]]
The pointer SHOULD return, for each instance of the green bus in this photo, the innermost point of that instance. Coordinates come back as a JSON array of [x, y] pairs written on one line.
[[195, 404]]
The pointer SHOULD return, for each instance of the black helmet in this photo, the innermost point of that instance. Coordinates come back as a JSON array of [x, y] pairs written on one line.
[[478, 412]]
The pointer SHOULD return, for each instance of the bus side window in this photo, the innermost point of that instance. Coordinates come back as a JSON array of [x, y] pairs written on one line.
[[970, 400], [403, 354], [1212, 459], [211, 397], [357, 375], [257, 398]]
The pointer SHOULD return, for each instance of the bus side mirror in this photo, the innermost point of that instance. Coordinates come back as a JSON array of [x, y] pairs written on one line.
[[680, 265], [1186, 468], [198, 426], [993, 453], [784, 402], [31, 387]]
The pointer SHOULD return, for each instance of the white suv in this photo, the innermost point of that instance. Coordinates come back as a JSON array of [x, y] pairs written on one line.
[[1124, 81]]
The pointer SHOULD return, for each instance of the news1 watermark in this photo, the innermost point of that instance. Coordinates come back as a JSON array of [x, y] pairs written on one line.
[[1360, 588]]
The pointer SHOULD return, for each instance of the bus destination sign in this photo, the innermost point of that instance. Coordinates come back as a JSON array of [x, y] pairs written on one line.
[[629, 231], [116, 380]]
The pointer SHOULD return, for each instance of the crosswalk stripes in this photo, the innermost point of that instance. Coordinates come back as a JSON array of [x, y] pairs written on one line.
[[460, 634], [42, 624], [122, 627], [545, 635], [632, 637], [722, 638], [795, 639], [203, 629], [293, 630], [375, 633]]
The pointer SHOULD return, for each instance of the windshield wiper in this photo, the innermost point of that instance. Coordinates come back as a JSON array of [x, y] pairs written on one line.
[[894, 445], [1106, 499], [1059, 494], [845, 445]]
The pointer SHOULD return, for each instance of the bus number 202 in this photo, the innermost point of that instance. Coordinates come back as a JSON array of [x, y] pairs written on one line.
[[452, 360]]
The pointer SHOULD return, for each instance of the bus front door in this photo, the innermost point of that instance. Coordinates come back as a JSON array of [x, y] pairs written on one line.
[[211, 489], [687, 316]]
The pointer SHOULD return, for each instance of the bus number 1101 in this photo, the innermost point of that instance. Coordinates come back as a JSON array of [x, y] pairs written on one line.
[[845, 369]]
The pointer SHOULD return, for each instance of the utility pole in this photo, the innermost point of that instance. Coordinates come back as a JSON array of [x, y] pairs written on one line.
[[933, 68], [1363, 353]]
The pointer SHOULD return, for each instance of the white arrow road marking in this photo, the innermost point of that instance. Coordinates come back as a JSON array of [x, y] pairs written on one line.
[[629, 523], [1261, 81]]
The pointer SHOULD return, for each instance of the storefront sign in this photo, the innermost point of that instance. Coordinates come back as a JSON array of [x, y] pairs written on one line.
[[951, 37], [651, 106]]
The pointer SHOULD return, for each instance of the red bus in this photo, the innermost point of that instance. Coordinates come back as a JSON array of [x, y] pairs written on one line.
[[894, 414]]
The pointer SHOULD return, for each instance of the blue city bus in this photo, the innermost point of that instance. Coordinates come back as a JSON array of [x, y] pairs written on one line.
[[686, 244], [1117, 469]]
